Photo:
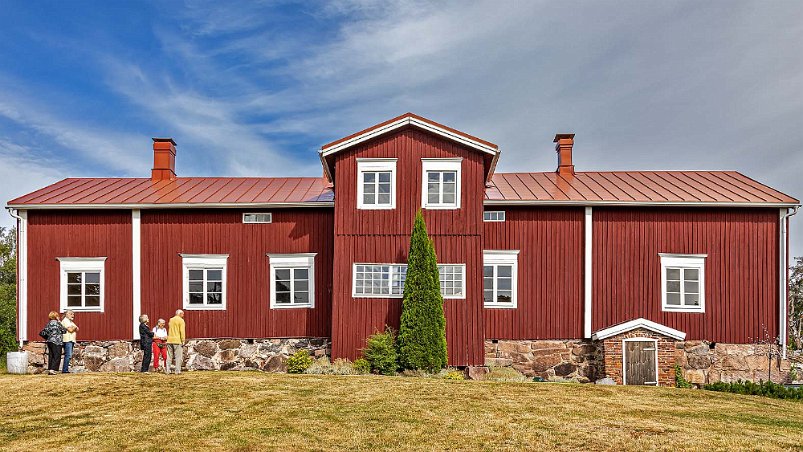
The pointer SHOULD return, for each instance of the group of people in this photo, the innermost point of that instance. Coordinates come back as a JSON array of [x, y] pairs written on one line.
[[164, 341]]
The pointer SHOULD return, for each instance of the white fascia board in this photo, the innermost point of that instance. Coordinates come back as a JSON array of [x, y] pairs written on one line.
[[500, 202], [404, 122], [635, 324], [274, 205]]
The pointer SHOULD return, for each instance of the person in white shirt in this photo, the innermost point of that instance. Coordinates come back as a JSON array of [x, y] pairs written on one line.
[[160, 344], [69, 339]]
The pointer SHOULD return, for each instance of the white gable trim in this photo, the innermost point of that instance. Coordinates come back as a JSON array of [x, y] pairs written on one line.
[[635, 324], [412, 122]]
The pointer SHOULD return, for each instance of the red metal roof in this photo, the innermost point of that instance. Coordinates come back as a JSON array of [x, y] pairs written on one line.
[[204, 191], [637, 187], [618, 187]]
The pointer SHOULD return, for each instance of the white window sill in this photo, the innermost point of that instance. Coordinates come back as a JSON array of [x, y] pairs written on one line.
[[204, 308], [293, 306], [441, 207], [682, 309], [375, 207], [495, 306], [376, 296], [77, 309]]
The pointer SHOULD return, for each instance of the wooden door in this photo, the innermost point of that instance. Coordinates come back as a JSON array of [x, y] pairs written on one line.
[[639, 361]]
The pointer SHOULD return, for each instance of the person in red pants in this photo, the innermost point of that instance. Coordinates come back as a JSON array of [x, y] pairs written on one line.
[[160, 344]]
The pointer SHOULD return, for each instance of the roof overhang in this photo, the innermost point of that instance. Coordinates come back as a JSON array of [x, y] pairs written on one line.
[[274, 205], [405, 120], [635, 324], [536, 202]]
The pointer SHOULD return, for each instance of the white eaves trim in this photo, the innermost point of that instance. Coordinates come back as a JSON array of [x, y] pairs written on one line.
[[635, 324], [412, 122], [225, 205], [542, 202]]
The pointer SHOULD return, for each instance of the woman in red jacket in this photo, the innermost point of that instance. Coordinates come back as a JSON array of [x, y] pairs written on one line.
[[159, 344]]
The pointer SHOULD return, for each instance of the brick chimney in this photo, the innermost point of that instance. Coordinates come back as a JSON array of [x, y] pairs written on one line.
[[164, 159], [563, 147]]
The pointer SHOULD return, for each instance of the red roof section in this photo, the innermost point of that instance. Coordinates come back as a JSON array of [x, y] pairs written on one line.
[[638, 187], [659, 187], [183, 190]]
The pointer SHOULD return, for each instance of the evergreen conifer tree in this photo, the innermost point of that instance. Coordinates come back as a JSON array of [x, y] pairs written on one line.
[[422, 334]]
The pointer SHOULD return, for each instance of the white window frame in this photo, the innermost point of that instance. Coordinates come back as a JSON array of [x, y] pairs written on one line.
[[393, 270], [370, 165], [292, 261], [496, 258], [493, 216], [683, 261], [203, 262], [81, 264], [438, 165]]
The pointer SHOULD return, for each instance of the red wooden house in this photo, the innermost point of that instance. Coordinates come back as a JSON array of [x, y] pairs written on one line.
[[562, 274]]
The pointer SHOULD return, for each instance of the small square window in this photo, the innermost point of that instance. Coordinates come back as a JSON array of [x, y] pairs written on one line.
[[292, 280], [376, 183], [500, 273], [204, 281], [82, 281], [441, 183]]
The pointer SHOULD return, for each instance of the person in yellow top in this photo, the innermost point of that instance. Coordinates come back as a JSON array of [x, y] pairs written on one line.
[[176, 336], [69, 338]]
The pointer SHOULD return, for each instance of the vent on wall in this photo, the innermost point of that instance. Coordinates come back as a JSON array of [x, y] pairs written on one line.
[[255, 218]]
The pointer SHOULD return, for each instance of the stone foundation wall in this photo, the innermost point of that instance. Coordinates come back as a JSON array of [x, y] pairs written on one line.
[[612, 349], [576, 360], [704, 362], [201, 354]]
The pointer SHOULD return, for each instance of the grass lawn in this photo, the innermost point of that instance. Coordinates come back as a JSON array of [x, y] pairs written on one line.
[[251, 411]]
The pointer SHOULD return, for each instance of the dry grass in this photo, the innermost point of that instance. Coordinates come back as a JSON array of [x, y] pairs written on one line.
[[255, 411]]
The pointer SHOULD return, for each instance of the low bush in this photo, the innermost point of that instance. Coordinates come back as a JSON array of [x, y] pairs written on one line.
[[418, 373], [507, 374], [322, 366], [362, 366], [299, 362], [680, 381], [765, 388], [451, 374], [380, 352]]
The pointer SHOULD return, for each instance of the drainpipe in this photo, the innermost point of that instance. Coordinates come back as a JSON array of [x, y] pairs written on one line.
[[13, 213], [784, 277]]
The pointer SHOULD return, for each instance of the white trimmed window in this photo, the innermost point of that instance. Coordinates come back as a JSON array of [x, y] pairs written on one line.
[[500, 278], [82, 283], [204, 281], [292, 280], [376, 183], [387, 280], [683, 282], [441, 183], [493, 216], [257, 218]]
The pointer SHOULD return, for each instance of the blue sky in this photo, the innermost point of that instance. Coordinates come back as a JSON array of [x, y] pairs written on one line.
[[255, 88]]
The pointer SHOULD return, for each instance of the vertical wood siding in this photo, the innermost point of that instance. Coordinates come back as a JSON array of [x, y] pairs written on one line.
[[54, 234], [550, 279], [165, 234], [741, 270], [382, 236]]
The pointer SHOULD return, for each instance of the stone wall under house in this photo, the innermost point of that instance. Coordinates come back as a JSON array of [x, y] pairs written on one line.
[[574, 360], [199, 354], [585, 361]]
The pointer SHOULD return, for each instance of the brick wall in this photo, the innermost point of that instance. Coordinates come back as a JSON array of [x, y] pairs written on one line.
[[612, 356]]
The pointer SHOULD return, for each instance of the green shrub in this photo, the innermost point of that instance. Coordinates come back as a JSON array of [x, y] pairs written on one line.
[[362, 366], [299, 362], [766, 389], [380, 352], [506, 374], [422, 334], [680, 381]]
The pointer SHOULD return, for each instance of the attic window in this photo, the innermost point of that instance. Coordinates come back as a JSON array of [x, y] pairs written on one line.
[[493, 216], [255, 218]]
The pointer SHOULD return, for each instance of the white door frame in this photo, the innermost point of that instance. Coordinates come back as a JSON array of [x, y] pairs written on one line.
[[624, 353]]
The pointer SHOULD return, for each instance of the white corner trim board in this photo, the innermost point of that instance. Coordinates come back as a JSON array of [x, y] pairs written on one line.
[[136, 269], [588, 272], [635, 324], [22, 274]]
